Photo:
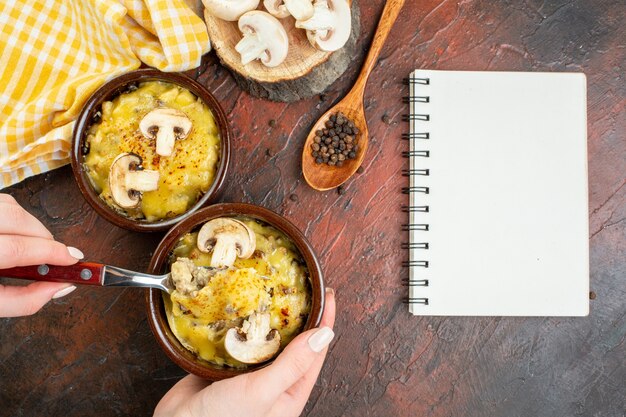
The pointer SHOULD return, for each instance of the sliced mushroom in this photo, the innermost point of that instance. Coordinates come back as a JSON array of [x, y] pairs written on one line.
[[276, 8], [127, 180], [228, 239], [254, 342], [264, 38], [299, 9], [166, 126], [329, 28], [230, 10]]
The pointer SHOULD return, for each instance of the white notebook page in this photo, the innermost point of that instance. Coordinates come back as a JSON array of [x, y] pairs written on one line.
[[508, 229]]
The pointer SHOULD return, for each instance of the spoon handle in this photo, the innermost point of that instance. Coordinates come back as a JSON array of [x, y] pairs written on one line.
[[85, 273], [387, 19]]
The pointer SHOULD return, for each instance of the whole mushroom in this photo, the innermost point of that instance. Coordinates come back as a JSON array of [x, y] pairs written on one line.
[[228, 239], [254, 342], [329, 27], [127, 181], [264, 38], [299, 9], [166, 125], [230, 10]]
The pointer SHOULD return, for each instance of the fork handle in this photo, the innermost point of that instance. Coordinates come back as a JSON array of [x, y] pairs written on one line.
[[84, 273]]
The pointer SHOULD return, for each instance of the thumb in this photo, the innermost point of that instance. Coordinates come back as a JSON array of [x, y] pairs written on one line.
[[25, 301], [294, 362]]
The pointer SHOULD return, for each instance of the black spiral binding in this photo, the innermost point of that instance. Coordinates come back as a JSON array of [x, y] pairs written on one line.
[[415, 172]]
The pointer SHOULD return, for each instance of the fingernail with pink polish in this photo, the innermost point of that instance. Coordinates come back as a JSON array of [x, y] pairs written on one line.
[[75, 253], [65, 291], [321, 339]]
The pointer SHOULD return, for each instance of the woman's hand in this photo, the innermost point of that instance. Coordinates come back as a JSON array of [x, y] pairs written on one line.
[[25, 241], [281, 389]]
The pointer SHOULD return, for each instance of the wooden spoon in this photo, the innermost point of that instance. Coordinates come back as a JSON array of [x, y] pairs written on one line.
[[321, 176]]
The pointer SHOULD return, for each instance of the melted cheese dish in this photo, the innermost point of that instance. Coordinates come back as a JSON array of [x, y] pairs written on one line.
[[274, 279], [184, 176]]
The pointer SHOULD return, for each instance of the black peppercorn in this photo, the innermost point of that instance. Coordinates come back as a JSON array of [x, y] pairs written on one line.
[[336, 142]]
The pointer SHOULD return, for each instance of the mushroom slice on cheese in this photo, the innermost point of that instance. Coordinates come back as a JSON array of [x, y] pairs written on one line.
[[166, 125], [254, 341], [228, 239], [128, 180]]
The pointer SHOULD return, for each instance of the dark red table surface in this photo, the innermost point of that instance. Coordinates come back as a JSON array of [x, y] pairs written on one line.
[[92, 353]]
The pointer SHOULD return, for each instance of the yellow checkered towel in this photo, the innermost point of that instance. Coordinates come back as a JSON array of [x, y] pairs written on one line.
[[55, 53]]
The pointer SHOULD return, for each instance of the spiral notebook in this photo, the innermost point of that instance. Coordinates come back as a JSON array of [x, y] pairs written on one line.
[[498, 205]]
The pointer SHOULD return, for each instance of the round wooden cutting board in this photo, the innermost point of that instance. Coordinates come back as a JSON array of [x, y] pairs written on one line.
[[305, 72]]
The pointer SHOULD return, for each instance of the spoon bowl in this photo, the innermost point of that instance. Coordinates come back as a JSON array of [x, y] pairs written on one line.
[[322, 177]]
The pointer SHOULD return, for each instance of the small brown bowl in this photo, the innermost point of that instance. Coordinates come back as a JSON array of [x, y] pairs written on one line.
[[116, 87], [154, 301]]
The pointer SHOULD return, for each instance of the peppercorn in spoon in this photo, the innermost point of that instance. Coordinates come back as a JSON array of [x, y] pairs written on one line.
[[318, 173]]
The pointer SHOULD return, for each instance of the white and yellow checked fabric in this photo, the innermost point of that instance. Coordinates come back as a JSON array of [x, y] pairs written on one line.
[[55, 53]]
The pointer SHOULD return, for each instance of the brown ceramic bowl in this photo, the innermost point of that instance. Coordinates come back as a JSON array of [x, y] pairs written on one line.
[[116, 87], [158, 265]]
